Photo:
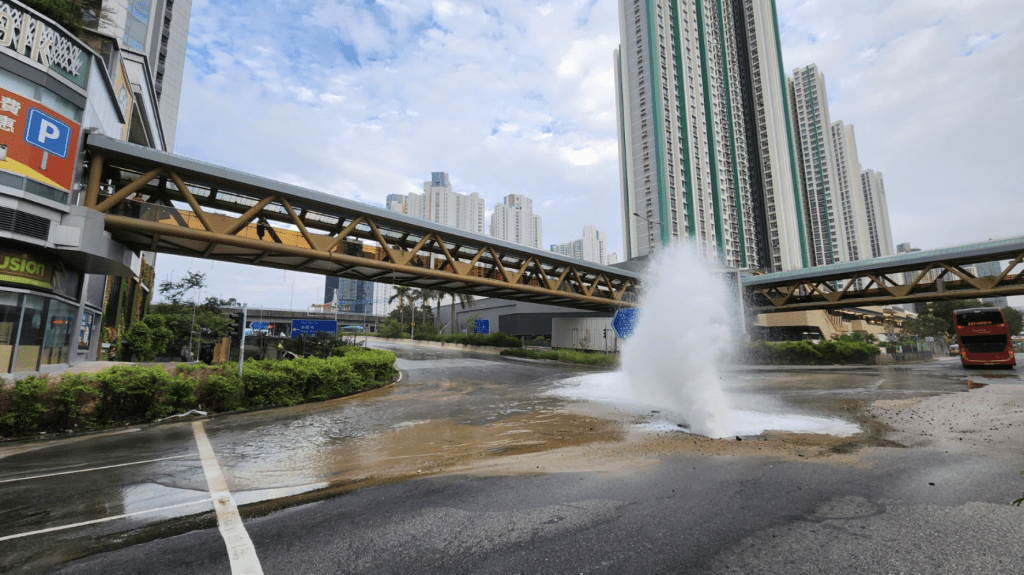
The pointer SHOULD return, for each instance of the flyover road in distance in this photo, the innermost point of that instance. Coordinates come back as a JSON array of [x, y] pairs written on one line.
[[471, 465]]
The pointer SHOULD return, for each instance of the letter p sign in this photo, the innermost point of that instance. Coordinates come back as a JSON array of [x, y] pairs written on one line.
[[47, 133]]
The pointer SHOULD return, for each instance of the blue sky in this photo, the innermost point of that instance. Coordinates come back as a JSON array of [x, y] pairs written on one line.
[[363, 99]]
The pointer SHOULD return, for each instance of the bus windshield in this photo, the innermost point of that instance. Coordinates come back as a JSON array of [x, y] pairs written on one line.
[[979, 317]]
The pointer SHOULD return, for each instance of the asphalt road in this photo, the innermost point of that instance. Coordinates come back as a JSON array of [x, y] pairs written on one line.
[[468, 467]]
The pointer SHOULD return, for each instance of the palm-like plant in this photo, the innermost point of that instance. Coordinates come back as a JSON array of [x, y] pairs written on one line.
[[426, 295], [402, 294], [465, 300]]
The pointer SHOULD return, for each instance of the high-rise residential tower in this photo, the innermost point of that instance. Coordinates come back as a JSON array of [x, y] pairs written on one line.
[[879, 231], [514, 221], [819, 175], [851, 205], [705, 142]]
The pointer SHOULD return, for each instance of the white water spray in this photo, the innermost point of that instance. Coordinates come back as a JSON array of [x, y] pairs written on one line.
[[682, 335], [671, 363]]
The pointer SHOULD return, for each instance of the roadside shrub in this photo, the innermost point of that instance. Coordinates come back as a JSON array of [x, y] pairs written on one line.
[[372, 365], [220, 393], [131, 394], [74, 394], [566, 355], [390, 328], [26, 406], [841, 351]]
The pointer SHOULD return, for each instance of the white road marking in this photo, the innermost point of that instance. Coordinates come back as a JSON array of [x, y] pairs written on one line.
[[241, 552], [94, 468], [105, 519]]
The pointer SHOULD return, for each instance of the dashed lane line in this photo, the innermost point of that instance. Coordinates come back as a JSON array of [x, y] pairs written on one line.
[[241, 552]]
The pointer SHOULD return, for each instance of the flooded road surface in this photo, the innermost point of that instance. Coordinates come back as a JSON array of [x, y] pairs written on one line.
[[451, 412]]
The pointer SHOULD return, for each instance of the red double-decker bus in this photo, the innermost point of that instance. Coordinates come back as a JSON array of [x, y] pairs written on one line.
[[984, 337]]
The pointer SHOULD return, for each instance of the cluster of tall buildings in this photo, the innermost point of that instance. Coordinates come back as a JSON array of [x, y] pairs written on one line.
[[717, 145], [512, 221], [592, 247]]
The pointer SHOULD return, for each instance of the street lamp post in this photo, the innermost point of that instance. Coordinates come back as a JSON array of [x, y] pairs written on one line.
[[650, 247]]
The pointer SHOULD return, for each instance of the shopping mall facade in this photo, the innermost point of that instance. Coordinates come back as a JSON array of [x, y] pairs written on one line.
[[59, 268]]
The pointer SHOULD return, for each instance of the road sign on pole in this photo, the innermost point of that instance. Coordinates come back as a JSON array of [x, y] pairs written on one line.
[[625, 321], [482, 326]]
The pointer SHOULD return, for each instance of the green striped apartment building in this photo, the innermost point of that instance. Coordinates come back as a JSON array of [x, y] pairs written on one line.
[[718, 146]]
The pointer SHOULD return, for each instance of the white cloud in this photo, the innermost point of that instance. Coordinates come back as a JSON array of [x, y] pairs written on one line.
[[363, 102]]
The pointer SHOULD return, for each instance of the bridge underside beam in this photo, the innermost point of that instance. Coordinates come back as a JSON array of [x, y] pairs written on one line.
[[168, 204]]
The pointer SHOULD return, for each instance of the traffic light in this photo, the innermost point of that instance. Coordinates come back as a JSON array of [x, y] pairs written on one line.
[[236, 328]]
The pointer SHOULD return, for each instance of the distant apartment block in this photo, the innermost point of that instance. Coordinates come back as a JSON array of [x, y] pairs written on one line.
[[879, 231], [439, 204], [514, 221], [592, 247], [853, 215]]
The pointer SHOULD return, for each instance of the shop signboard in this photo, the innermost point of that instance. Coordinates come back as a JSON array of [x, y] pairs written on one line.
[[24, 268], [36, 142]]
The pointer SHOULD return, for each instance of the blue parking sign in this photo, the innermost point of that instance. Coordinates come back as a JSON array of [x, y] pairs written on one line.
[[47, 133]]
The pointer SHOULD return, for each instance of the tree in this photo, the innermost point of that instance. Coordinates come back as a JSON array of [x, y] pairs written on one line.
[[187, 317], [943, 310], [68, 13], [1014, 320], [926, 325], [147, 338], [176, 293]]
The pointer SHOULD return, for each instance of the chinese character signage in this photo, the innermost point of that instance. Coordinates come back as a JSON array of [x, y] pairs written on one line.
[[37, 142]]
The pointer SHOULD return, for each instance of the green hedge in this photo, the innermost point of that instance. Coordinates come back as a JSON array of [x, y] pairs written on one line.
[[566, 355], [809, 353], [130, 394], [496, 339]]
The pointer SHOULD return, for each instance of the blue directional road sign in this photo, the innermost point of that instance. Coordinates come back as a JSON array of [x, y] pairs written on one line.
[[314, 326], [483, 326], [625, 321], [47, 133]]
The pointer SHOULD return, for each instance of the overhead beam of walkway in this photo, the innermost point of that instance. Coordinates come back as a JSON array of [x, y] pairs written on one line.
[[923, 276], [155, 201]]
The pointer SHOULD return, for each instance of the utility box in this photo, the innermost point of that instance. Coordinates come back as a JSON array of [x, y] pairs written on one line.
[[584, 333]]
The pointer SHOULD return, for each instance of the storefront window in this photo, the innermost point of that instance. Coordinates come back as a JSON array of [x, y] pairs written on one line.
[[31, 334], [10, 313], [57, 343]]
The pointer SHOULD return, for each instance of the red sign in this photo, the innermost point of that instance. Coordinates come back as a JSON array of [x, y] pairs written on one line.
[[33, 162]]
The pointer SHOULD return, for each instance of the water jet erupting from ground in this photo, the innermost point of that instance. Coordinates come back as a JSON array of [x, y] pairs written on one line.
[[671, 365], [681, 338]]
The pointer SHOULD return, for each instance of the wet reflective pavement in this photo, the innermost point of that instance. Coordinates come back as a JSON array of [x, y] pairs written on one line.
[[452, 412]]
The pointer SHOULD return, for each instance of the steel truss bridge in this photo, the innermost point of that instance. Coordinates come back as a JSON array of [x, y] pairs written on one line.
[[923, 276], [236, 217], [159, 202]]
